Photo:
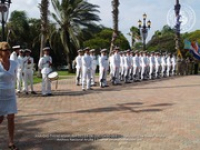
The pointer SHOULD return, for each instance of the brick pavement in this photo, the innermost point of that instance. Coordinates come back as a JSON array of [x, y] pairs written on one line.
[[152, 115]]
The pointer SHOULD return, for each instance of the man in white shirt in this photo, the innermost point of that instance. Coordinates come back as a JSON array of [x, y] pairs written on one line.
[[136, 66], [20, 74], [86, 70], [78, 67], [173, 64], [121, 70], [44, 65], [15, 53], [152, 64], [103, 68], [164, 64], [94, 66], [127, 66], [116, 66], [28, 72]]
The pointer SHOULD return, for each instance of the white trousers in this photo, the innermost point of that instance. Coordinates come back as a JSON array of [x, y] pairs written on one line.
[[116, 75], [93, 71], [86, 77], [78, 76], [19, 79], [143, 72], [46, 84], [136, 72], [152, 71], [28, 79], [103, 77]]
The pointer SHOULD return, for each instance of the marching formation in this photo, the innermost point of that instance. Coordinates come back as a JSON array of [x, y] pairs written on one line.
[[123, 66]]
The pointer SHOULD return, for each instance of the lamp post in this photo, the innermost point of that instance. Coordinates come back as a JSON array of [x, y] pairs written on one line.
[[4, 11], [144, 27]]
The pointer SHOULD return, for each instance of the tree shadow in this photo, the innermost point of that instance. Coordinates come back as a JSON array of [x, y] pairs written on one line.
[[135, 107]]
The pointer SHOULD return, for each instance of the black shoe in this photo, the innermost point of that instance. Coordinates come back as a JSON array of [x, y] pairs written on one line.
[[26, 93], [33, 92], [49, 94], [90, 89], [83, 89]]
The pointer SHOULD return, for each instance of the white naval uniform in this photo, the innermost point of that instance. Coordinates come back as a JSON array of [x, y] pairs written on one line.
[[163, 64], [44, 65], [103, 68], [94, 67], [157, 65], [86, 71], [143, 67], [173, 65], [111, 64], [122, 71], [169, 65], [136, 67], [78, 69], [20, 76], [116, 67], [152, 64], [127, 66], [28, 73]]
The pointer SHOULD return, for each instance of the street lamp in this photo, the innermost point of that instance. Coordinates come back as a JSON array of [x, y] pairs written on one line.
[[4, 11], [144, 29]]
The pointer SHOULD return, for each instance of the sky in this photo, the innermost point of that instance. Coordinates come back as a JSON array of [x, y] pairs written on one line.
[[160, 12]]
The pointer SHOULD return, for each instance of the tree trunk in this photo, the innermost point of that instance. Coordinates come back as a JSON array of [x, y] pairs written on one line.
[[115, 12], [44, 26]]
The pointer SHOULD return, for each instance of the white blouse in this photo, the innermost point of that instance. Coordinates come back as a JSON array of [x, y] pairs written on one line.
[[7, 81]]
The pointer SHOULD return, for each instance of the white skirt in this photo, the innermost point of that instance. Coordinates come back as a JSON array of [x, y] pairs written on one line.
[[8, 107]]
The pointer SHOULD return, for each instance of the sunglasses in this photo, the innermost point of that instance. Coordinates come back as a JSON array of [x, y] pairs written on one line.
[[6, 50]]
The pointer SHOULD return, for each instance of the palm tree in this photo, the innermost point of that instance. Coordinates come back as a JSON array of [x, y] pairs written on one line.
[[115, 13], [135, 35], [72, 16], [44, 23]]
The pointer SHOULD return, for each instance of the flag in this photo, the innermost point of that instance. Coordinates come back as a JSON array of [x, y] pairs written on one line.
[[193, 48]]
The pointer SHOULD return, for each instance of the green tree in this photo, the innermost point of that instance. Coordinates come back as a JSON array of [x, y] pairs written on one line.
[[102, 40], [72, 17], [135, 35]]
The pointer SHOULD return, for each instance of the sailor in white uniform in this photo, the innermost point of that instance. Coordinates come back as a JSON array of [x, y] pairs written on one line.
[[152, 65], [136, 66], [116, 66], [20, 74], [15, 53], [164, 64], [78, 61], [28, 72], [169, 65], [103, 68], [44, 65], [143, 65], [111, 62], [86, 70], [94, 66], [173, 64], [127, 66], [121, 70]]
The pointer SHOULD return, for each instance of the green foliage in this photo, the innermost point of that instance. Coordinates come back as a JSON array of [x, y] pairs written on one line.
[[102, 40]]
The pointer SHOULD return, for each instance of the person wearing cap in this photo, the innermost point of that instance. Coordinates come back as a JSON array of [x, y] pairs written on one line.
[[147, 64], [143, 65], [127, 66], [20, 74], [152, 64], [116, 67], [86, 70], [103, 68], [78, 67], [8, 102], [157, 65], [131, 68], [121, 71], [94, 66], [44, 65], [28, 71], [15, 53]]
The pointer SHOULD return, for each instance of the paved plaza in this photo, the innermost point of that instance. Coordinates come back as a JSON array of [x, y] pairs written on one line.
[[151, 115]]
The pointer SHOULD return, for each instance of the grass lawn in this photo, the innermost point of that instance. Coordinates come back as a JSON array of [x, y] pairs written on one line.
[[62, 75]]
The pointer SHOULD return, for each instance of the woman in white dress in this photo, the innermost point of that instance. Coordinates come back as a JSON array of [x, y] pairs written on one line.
[[8, 105]]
